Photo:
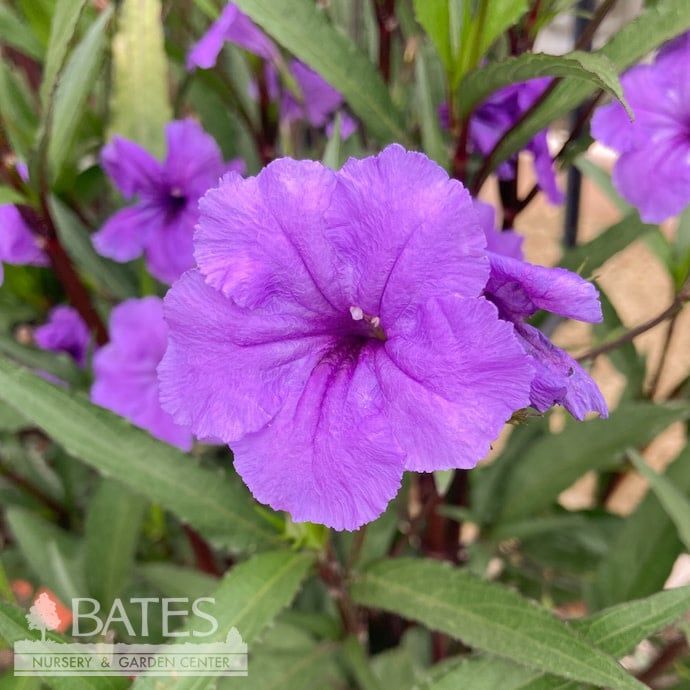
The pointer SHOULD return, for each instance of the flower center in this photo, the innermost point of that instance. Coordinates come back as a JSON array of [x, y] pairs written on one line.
[[177, 199], [372, 323]]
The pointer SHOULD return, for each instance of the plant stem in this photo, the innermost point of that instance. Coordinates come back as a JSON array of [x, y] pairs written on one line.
[[385, 16]]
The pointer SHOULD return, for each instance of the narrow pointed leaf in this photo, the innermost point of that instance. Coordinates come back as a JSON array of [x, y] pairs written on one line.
[[488, 617]]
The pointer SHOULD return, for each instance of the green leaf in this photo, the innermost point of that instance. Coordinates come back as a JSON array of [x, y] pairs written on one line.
[[17, 110], [113, 523], [590, 67], [302, 28], [314, 667], [332, 153], [248, 598], [646, 548], [62, 30], [176, 581], [16, 33], [674, 502], [73, 90], [52, 554], [488, 617], [358, 663], [434, 16], [208, 500], [556, 461], [140, 103], [615, 631], [588, 257], [656, 24], [10, 196], [111, 277], [432, 138]]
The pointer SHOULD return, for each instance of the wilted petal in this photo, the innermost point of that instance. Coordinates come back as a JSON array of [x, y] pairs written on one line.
[[520, 289], [559, 379]]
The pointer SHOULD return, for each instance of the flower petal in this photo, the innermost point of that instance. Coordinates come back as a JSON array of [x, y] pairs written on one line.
[[260, 240], [329, 455], [452, 379], [124, 235], [170, 246], [125, 370], [227, 371], [17, 243], [65, 331], [133, 169], [404, 231], [320, 99], [194, 162], [559, 379], [519, 289], [234, 26]]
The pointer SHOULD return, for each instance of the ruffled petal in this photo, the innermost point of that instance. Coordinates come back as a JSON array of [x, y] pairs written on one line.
[[403, 231], [451, 380], [505, 242], [329, 456], [133, 169], [559, 379], [261, 240], [519, 289], [125, 234], [227, 371]]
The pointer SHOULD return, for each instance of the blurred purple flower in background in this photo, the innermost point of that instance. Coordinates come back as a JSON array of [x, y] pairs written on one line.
[[18, 244], [125, 370], [497, 115], [653, 171], [519, 289], [233, 26], [65, 331], [319, 100], [161, 224], [335, 334]]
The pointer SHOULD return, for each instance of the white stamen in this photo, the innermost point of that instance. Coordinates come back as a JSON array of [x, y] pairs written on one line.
[[376, 322], [357, 313]]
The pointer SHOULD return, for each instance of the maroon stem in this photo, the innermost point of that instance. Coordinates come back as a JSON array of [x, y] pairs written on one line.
[[385, 16], [205, 560]]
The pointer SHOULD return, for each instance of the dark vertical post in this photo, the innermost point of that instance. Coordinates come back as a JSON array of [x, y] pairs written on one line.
[[574, 181]]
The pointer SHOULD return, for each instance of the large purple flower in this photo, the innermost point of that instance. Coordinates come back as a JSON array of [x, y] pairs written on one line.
[[65, 331], [233, 26], [653, 171], [161, 224], [18, 244], [497, 115], [335, 335], [519, 289], [125, 369]]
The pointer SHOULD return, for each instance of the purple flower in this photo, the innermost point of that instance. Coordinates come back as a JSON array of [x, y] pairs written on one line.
[[335, 335], [653, 171], [161, 224], [235, 27], [497, 115], [519, 289], [125, 369], [18, 244], [66, 332]]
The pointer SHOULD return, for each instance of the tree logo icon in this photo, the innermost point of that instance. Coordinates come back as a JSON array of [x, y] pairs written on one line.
[[43, 615]]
